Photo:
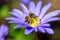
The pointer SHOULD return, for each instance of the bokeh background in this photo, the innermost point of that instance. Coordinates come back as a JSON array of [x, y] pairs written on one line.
[[18, 34]]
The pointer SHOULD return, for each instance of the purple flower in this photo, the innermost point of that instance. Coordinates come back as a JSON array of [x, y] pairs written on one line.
[[3, 31], [25, 1], [34, 18]]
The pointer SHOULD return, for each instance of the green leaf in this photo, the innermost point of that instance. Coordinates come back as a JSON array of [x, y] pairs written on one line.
[[4, 11]]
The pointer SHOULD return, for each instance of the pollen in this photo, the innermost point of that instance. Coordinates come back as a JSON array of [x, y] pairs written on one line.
[[32, 20]]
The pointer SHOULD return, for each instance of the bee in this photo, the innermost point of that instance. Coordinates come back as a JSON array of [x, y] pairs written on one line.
[[30, 17]]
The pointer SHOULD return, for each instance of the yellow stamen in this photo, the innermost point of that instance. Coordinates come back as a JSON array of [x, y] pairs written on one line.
[[32, 20]]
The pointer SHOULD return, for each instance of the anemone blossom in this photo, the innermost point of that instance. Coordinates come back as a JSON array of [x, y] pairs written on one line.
[[34, 18]]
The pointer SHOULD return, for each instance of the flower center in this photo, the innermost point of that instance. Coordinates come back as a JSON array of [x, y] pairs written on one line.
[[32, 20]]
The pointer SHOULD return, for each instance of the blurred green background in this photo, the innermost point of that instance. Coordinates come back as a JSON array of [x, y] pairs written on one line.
[[18, 34]]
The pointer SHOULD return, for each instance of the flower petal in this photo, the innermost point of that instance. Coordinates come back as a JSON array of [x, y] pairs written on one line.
[[4, 29], [20, 13], [49, 15], [28, 31], [29, 28], [20, 25], [44, 10], [49, 30], [14, 19], [45, 25], [31, 7], [13, 22], [41, 29], [25, 10], [17, 14], [52, 19], [25, 1], [2, 38], [38, 8], [35, 29]]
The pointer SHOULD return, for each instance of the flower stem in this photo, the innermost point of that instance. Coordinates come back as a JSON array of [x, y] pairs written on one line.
[[36, 37]]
